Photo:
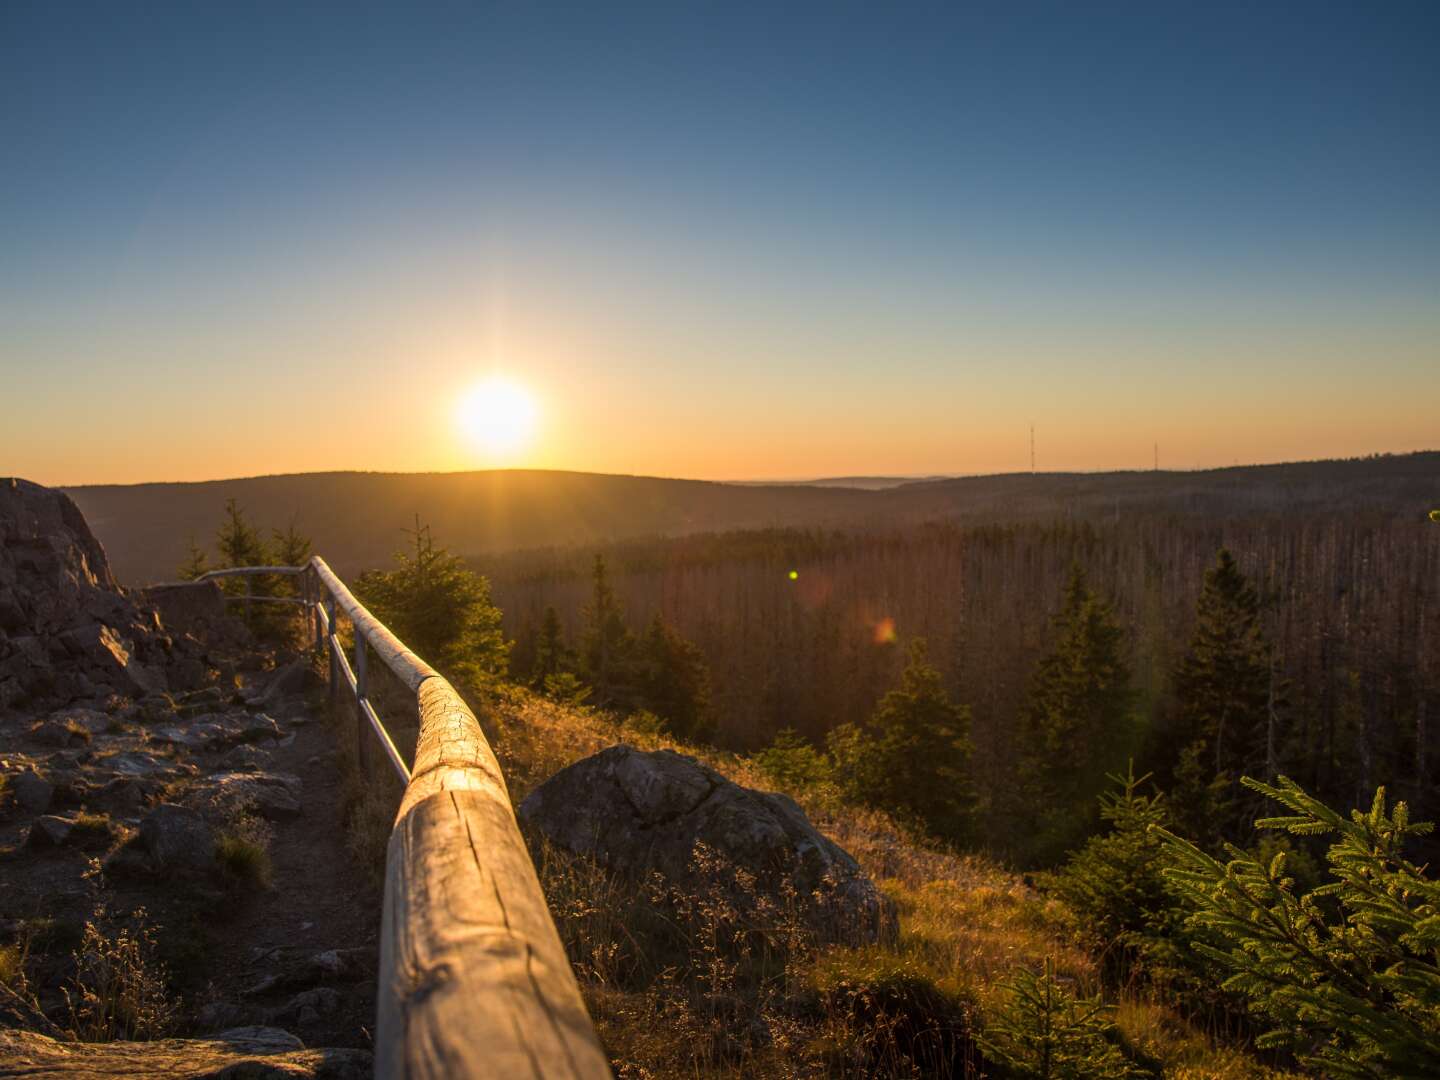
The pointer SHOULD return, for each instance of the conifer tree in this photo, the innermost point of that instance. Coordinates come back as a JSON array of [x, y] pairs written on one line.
[[1045, 1031], [196, 562], [608, 647], [237, 541], [1347, 974], [1076, 726], [440, 608], [550, 651], [913, 755], [1226, 687], [674, 680]]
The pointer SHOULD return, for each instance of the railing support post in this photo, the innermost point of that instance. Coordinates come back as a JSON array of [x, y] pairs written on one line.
[[331, 643], [360, 690]]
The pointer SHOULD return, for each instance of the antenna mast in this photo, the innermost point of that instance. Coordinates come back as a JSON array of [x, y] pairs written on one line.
[[1032, 449]]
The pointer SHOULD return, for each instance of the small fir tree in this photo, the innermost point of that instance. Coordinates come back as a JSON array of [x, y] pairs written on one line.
[[608, 647], [1045, 1031], [1348, 973], [675, 681], [1076, 726], [440, 608], [551, 656], [1226, 686], [196, 563], [913, 756], [793, 763]]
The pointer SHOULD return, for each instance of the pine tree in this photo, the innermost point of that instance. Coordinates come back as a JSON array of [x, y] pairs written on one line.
[[1115, 886], [913, 756], [290, 548], [1077, 725], [196, 562], [1047, 1032], [440, 608], [674, 680], [240, 544], [1226, 685], [550, 651], [608, 647], [1348, 973]]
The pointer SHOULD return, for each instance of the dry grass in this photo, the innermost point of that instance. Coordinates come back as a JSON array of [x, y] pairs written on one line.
[[242, 848], [118, 989], [672, 995]]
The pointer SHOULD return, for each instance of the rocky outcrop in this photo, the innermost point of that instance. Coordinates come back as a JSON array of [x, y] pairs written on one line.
[[67, 630], [638, 812], [256, 1052]]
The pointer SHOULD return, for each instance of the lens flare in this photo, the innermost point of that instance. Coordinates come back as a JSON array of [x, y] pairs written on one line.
[[498, 415]]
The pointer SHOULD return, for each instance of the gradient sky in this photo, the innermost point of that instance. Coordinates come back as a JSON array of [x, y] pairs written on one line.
[[718, 240]]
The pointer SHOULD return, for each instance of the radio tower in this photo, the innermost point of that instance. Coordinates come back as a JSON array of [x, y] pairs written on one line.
[[1157, 457], [1032, 449]]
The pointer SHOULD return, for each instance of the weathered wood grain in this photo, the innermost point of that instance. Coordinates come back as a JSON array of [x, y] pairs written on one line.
[[473, 978]]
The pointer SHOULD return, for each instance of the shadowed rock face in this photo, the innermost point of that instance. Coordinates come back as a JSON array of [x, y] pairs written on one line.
[[67, 631], [635, 812]]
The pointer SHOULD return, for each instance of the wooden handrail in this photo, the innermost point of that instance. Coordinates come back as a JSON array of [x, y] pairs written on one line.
[[474, 980]]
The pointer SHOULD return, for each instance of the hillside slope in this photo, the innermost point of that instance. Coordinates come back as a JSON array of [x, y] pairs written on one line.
[[356, 519]]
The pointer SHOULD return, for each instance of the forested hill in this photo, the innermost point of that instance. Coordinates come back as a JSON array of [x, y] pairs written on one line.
[[356, 518]]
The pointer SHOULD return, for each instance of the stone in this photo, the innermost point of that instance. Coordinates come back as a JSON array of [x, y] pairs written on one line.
[[177, 836], [70, 630], [637, 812], [246, 757], [255, 1053], [294, 678], [54, 733], [308, 1006], [31, 791], [273, 796], [49, 831], [136, 764]]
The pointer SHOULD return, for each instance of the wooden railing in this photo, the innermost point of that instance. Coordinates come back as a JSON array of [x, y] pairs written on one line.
[[474, 981]]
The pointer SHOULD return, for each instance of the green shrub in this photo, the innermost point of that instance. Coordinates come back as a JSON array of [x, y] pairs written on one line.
[[793, 763], [1348, 973], [1046, 1031]]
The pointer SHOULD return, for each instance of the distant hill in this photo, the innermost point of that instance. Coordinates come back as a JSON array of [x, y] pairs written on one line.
[[356, 519]]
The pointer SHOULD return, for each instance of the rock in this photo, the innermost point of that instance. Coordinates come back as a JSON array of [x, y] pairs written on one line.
[[193, 607], [49, 831], [245, 758], [32, 792], [255, 1053], [176, 836], [308, 1007], [69, 629], [54, 733], [92, 720], [636, 812], [355, 963], [294, 678], [136, 764], [273, 796]]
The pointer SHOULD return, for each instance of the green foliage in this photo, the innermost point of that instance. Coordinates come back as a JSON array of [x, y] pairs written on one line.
[[674, 681], [1348, 973], [237, 541], [1076, 725], [793, 763], [1117, 890], [913, 756], [551, 655], [566, 687], [196, 562], [1047, 1032], [440, 608], [608, 649], [1227, 693]]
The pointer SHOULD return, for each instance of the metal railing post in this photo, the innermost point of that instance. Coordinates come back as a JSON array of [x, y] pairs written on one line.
[[360, 719], [332, 642]]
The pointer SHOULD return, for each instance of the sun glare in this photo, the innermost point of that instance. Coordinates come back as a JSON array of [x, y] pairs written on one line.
[[498, 416]]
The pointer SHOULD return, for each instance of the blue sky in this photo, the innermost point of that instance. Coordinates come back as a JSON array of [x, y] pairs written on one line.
[[718, 240]]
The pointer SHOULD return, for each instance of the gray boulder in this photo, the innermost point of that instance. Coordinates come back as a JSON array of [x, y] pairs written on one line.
[[32, 792], [638, 812], [271, 795], [176, 836]]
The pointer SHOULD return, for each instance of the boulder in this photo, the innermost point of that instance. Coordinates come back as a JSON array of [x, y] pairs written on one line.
[[253, 1052], [177, 836], [273, 796], [69, 630], [49, 831], [32, 792], [294, 678], [637, 812]]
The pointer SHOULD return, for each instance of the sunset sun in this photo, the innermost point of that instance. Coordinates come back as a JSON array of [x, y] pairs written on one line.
[[498, 416]]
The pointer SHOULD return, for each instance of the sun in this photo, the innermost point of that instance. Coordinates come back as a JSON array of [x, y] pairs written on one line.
[[498, 415]]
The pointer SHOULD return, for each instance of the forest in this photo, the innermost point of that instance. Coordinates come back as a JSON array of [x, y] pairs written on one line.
[[1317, 633]]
